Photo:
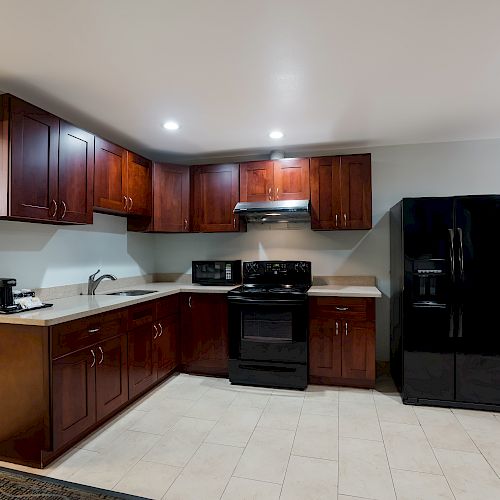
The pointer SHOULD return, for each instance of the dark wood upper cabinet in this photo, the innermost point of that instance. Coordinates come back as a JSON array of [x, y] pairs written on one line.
[[46, 166], [291, 179], [110, 178], [257, 181], [286, 179], [139, 185], [215, 191], [341, 193], [76, 174], [170, 198], [34, 146]]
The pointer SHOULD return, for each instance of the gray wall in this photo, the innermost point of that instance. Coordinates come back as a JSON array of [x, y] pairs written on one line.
[[398, 171]]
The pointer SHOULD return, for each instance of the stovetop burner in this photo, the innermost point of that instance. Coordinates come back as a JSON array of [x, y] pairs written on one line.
[[270, 289]]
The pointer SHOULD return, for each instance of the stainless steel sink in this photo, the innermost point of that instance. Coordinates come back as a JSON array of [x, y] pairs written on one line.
[[132, 293]]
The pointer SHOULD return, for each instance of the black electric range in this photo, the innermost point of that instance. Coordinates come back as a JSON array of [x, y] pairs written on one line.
[[268, 324]]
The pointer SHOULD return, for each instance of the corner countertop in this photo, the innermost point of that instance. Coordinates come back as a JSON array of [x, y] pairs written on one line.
[[81, 306]]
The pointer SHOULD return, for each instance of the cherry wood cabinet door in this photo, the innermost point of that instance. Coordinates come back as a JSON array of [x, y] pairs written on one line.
[[215, 193], [34, 136], [257, 181], [356, 188], [141, 369], [76, 174], [166, 345], [111, 375], [170, 198], [110, 177], [73, 395], [325, 347], [291, 179], [358, 350], [326, 212], [204, 333], [139, 185]]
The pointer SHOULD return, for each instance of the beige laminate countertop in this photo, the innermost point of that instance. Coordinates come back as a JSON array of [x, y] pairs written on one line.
[[81, 306]]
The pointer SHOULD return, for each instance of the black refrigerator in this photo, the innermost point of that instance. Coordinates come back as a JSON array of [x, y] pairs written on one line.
[[445, 301]]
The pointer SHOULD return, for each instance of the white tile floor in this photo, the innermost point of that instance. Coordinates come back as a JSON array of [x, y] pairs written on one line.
[[200, 438]]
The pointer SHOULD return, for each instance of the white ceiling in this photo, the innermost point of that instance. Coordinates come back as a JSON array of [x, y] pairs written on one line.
[[340, 73]]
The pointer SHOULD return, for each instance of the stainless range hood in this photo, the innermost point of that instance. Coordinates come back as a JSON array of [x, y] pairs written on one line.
[[274, 211]]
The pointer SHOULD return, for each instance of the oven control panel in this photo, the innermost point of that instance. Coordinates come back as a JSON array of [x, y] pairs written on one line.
[[277, 271]]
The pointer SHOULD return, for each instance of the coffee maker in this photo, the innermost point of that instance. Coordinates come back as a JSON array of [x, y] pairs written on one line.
[[7, 303]]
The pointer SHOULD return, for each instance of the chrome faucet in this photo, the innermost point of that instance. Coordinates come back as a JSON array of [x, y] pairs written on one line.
[[94, 283]]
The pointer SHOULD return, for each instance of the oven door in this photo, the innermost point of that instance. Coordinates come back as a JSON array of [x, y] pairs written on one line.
[[268, 330]]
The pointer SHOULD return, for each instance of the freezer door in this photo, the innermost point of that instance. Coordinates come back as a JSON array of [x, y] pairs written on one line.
[[478, 336], [428, 312]]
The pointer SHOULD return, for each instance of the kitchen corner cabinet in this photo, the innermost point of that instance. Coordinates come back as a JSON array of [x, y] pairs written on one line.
[[46, 166], [204, 333], [171, 202], [341, 192], [342, 341], [215, 192], [123, 181], [286, 179]]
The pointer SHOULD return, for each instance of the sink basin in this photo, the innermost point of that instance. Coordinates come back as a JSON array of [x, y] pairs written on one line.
[[132, 293]]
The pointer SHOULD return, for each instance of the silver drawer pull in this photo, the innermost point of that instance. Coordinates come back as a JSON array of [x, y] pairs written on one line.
[[341, 308], [336, 327], [94, 330], [346, 328]]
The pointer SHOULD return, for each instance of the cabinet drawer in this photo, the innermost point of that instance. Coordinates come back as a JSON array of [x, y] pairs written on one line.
[[353, 308], [167, 306], [81, 333], [141, 314]]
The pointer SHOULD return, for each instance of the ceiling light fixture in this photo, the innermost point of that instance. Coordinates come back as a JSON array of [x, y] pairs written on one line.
[[276, 134], [171, 125]]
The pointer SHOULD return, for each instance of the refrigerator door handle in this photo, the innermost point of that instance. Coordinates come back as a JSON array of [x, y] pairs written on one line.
[[452, 253], [451, 332], [461, 252], [460, 321]]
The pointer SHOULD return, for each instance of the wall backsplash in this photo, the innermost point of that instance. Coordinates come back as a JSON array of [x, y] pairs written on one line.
[[43, 255]]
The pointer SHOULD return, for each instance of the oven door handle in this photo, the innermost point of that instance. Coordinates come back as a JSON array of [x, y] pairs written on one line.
[[269, 302]]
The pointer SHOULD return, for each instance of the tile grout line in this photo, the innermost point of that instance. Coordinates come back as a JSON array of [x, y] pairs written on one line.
[[435, 456], [293, 442], [385, 449]]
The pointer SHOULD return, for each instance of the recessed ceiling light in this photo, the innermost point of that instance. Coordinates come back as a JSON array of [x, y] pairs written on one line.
[[171, 125], [276, 134]]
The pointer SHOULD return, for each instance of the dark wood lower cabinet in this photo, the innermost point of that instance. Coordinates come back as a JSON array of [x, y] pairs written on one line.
[[111, 376], [342, 341], [204, 333], [73, 395], [166, 358], [141, 369]]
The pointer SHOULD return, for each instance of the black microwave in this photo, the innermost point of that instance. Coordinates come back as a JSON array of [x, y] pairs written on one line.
[[217, 272]]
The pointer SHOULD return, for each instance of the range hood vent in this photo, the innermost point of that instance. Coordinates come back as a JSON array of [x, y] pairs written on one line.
[[266, 212]]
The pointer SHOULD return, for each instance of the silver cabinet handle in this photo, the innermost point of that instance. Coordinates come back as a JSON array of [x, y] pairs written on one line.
[[345, 220], [189, 302], [94, 330], [336, 327], [156, 332], [102, 355], [185, 224], [277, 193], [341, 308], [461, 252], [336, 220], [125, 203], [53, 202], [131, 202], [270, 193], [234, 222], [93, 358], [346, 328], [64, 209], [161, 330]]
